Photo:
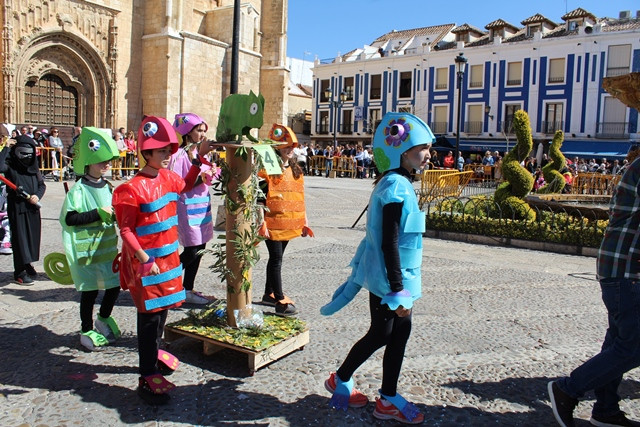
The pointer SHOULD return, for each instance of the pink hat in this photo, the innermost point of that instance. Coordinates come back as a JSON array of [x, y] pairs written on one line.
[[185, 122], [44, 131], [156, 132]]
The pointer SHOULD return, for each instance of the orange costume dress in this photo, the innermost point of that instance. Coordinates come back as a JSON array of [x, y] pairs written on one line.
[[285, 201]]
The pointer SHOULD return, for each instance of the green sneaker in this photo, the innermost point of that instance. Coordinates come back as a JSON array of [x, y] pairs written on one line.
[[108, 327], [92, 339]]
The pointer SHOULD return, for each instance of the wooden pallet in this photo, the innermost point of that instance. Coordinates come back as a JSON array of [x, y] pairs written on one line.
[[256, 358]]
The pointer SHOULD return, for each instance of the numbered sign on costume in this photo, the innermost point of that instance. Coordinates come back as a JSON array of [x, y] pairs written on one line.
[[269, 159]]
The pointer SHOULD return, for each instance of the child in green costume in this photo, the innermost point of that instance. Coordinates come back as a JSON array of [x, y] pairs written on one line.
[[89, 236]]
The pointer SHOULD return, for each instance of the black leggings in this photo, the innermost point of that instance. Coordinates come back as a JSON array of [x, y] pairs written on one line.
[[190, 263], [386, 329], [87, 301], [150, 328], [274, 268]]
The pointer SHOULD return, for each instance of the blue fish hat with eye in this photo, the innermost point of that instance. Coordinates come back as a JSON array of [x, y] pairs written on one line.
[[396, 133]]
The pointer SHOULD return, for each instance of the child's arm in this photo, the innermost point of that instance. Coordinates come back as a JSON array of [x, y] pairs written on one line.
[[391, 214], [194, 171], [398, 299], [126, 215], [74, 218]]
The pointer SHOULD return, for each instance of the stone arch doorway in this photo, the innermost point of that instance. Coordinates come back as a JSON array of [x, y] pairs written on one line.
[[69, 76], [50, 101]]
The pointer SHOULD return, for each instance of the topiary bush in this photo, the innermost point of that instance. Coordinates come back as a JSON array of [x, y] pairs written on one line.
[[554, 180], [518, 181]]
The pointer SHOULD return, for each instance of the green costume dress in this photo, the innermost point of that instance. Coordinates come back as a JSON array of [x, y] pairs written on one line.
[[90, 248]]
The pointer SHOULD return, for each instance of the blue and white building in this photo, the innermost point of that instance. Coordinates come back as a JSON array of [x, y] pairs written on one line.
[[552, 70]]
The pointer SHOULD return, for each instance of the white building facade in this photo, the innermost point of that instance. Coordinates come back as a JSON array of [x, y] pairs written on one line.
[[553, 71]]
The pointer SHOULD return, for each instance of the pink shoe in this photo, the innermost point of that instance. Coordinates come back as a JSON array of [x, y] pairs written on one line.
[[5, 248]]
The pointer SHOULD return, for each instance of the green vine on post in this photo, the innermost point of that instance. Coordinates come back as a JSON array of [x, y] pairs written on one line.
[[246, 251]]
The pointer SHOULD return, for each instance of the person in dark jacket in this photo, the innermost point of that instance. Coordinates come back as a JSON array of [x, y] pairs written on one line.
[[19, 165]]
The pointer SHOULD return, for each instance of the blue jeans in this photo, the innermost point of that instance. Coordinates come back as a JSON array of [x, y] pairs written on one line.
[[620, 351]]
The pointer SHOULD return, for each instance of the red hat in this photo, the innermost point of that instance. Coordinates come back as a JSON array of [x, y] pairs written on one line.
[[156, 132]]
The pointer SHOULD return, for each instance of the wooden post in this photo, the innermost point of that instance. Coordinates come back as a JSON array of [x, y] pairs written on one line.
[[240, 176]]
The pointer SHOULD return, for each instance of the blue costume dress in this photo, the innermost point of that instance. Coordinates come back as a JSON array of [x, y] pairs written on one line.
[[368, 267]]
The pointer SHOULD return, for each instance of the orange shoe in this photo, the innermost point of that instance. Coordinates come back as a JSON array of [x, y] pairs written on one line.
[[386, 410], [356, 400]]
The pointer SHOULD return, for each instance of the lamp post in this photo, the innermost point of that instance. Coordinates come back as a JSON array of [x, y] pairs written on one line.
[[461, 63], [334, 107]]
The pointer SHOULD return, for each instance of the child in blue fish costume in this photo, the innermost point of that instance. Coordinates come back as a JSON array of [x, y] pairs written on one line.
[[387, 263]]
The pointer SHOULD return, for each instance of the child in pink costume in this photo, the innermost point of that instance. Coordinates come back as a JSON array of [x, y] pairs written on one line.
[[195, 222]]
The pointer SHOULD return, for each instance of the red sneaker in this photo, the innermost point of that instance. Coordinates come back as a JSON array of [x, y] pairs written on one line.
[[390, 412], [356, 400]]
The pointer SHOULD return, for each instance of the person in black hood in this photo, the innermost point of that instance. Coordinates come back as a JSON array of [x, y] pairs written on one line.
[[18, 164]]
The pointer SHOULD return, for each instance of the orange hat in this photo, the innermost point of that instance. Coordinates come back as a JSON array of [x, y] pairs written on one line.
[[282, 133]]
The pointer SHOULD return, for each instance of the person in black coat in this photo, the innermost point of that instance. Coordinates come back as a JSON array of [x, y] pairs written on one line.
[[19, 165]]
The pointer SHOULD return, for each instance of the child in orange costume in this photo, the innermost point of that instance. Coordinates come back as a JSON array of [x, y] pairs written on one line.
[[285, 218]]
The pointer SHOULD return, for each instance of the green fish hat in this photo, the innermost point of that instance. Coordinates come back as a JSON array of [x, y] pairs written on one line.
[[93, 146]]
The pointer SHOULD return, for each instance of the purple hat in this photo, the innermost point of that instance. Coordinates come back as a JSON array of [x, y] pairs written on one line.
[[185, 122]]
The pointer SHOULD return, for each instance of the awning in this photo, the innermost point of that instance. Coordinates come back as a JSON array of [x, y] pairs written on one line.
[[598, 148], [476, 145]]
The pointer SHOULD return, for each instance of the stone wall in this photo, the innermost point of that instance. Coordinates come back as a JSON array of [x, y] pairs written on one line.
[[131, 58]]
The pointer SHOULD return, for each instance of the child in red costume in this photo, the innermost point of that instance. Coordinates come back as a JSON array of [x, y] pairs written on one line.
[[150, 269]]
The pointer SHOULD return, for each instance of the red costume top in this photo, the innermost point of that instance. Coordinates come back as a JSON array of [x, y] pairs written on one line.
[[146, 207]]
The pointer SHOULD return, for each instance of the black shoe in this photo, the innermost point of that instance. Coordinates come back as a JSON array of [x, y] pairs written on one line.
[[286, 310], [619, 419], [31, 271], [562, 405], [269, 300], [145, 392], [23, 279]]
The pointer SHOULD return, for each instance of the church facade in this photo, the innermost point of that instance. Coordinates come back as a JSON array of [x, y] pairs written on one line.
[[107, 63]]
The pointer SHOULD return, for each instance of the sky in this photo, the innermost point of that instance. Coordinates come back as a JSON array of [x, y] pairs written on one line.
[[324, 28]]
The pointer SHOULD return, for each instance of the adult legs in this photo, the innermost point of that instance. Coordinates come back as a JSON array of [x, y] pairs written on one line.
[[620, 350], [274, 268], [190, 263], [150, 327]]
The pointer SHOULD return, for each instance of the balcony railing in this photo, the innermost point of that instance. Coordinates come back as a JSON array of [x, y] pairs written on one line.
[[439, 127], [475, 84], [559, 79], [517, 82], [473, 127], [441, 85], [612, 130], [617, 71], [371, 129], [322, 129], [552, 127], [507, 127], [346, 128]]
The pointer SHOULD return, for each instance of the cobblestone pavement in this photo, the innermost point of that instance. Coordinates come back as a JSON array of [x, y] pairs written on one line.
[[494, 325]]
